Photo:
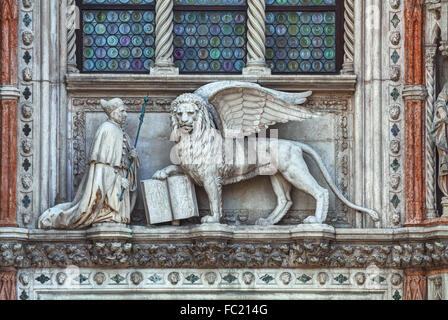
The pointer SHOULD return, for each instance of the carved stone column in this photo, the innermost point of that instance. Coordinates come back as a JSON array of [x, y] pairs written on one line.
[[415, 285], [164, 38], [9, 95], [72, 22], [8, 283], [414, 95], [430, 150], [256, 39], [349, 37]]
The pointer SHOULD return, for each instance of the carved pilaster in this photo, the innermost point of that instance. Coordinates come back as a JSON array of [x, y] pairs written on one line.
[[430, 150], [414, 94], [71, 24], [8, 112], [415, 285], [164, 38], [8, 284], [256, 38], [349, 37]]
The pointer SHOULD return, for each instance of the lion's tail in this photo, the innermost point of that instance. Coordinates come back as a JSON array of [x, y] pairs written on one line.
[[308, 150]]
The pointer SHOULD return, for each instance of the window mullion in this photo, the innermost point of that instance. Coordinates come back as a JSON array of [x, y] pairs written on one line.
[[164, 38], [256, 38]]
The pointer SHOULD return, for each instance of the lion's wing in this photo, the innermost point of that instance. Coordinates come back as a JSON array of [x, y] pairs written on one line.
[[245, 110]]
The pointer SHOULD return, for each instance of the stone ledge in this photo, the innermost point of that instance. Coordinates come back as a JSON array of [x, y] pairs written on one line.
[[218, 246], [225, 232], [141, 83]]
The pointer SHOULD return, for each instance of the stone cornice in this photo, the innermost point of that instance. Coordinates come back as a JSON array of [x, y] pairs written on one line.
[[217, 246], [177, 84]]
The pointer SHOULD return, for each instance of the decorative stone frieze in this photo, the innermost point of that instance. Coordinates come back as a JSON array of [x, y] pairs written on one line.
[[227, 247], [193, 283]]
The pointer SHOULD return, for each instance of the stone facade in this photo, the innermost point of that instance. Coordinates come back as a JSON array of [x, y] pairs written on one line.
[[373, 137]]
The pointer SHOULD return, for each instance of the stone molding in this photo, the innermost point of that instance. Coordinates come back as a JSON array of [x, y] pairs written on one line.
[[415, 93], [192, 284], [9, 93], [99, 83], [221, 246]]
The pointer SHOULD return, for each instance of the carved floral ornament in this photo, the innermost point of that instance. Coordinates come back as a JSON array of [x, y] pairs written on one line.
[[218, 254]]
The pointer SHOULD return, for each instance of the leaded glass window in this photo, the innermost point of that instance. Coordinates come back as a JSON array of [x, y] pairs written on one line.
[[116, 35], [303, 36], [210, 36]]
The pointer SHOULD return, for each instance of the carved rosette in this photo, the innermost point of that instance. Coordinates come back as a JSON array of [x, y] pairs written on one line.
[[164, 37], [349, 36], [27, 64], [396, 125]]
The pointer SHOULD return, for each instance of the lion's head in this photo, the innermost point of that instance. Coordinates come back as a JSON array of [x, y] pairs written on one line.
[[190, 115]]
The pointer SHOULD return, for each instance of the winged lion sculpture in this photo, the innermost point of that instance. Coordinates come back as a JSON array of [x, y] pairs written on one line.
[[217, 114]]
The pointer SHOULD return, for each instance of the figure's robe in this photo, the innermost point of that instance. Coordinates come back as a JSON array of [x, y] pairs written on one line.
[[439, 135], [98, 197]]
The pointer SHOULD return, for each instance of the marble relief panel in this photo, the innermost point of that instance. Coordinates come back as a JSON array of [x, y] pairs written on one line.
[[330, 135]]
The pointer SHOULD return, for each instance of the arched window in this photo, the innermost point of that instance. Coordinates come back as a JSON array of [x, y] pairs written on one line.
[[210, 36], [116, 36], [304, 36]]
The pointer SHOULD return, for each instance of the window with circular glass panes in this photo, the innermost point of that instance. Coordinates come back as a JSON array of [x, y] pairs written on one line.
[[304, 36], [210, 36], [116, 36]]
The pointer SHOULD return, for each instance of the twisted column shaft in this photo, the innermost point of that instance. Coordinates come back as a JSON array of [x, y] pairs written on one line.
[[71, 23], [256, 33], [349, 37], [164, 34], [430, 152], [256, 38]]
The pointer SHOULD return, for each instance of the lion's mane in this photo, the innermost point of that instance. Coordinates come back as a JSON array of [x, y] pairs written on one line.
[[203, 147]]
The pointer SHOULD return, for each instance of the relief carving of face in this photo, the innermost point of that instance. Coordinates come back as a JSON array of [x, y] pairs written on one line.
[[119, 115], [186, 115]]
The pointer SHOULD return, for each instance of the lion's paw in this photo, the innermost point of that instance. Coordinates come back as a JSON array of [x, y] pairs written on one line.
[[312, 220], [209, 219], [264, 222], [160, 175]]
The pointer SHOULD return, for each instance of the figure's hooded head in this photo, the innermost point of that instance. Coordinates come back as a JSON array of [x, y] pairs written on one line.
[[115, 110]]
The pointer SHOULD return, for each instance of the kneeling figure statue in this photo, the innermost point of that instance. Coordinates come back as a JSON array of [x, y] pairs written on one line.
[[98, 196]]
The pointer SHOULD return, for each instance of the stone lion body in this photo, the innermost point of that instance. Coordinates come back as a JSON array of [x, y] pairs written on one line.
[[201, 153]]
